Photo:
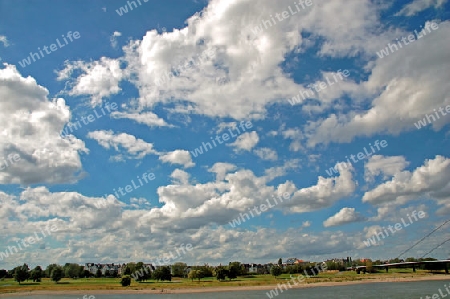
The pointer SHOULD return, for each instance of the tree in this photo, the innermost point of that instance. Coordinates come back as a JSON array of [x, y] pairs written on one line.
[[290, 269], [206, 270], [80, 271], [162, 273], [244, 270], [280, 262], [98, 274], [125, 281], [195, 274], [179, 269], [276, 271], [369, 266], [57, 274], [36, 274], [234, 270], [71, 270], [221, 273], [21, 273], [131, 268], [3, 273], [49, 270], [142, 272], [85, 274]]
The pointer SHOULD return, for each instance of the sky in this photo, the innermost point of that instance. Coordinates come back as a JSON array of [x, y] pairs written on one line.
[[250, 129]]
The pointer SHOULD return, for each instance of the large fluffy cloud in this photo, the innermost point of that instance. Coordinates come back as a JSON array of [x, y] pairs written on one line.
[[398, 101], [31, 125], [99, 79], [429, 180], [220, 55], [344, 216]]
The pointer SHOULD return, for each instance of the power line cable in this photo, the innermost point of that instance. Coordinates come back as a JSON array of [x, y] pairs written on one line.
[[435, 248], [424, 238]]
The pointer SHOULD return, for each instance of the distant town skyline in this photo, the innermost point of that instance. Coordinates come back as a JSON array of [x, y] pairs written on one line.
[[136, 126]]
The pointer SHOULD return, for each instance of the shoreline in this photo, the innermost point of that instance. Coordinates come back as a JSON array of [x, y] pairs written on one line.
[[221, 289]]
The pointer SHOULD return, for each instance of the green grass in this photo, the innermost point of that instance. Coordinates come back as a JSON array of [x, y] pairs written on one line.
[[10, 286]]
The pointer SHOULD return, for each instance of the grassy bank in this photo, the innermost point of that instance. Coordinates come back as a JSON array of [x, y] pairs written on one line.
[[86, 284]]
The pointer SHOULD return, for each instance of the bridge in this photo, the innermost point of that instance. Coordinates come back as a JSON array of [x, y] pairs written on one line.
[[412, 265]]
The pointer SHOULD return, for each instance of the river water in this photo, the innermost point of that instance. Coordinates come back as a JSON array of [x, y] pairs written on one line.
[[403, 290]]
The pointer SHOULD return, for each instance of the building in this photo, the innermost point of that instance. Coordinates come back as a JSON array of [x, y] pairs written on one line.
[[93, 268]]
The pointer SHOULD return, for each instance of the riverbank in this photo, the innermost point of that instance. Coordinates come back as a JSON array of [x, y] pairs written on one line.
[[172, 289]]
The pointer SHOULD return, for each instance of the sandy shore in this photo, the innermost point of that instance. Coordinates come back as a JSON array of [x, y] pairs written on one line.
[[223, 289]]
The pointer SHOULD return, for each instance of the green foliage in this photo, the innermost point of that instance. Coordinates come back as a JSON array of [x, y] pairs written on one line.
[[57, 274], [85, 274], [125, 281], [49, 269], [179, 269], [378, 262], [21, 273], [369, 266], [221, 273], [276, 271], [98, 274], [234, 269], [36, 274], [244, 270], [131, 268], [195, 274], [3, 273], [71, 270], [315, 269], [142, 272], [162, 273], [280, 262], [205, 270]]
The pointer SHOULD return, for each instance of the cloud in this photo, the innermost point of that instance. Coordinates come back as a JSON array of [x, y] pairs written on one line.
[[296, 135], [180, 177], [249, 64], [181, 157], [134, 148], [306, 224], [221, 169], [80, 223], [226, 125], [30, 127], [417, 6], [344, 216], [397, 101], [147, 118], [280, 171], [4, 40], [324, 194], [428, 180], [266, 153], [113, 38], [99, 79], [386, 166], [245, 141]]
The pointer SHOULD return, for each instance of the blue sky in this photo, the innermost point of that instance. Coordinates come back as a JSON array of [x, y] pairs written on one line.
[[246, 76]]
